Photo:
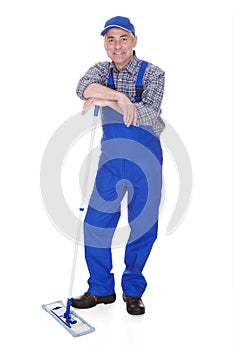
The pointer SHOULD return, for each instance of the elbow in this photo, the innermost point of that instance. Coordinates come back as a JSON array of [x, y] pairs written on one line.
[[85, 93], [88, 92]]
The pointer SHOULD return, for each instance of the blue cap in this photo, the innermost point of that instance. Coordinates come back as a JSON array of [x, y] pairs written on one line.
[[119, 22]]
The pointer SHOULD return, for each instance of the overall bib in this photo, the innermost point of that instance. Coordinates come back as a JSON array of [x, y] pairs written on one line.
[[130, 162]]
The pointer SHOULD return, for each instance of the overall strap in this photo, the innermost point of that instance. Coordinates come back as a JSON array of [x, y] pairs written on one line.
[[139, 86], [111, 84]]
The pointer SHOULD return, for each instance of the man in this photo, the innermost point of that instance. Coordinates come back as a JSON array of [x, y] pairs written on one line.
[[130, 161]]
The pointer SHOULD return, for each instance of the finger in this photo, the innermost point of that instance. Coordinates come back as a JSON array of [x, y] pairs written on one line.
[[126, 118], [135, 119], [130, 117], [87, 105], [128, 121], [85, 108]]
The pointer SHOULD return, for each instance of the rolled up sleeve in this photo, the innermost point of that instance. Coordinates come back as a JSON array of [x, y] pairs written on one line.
[[95, 75]]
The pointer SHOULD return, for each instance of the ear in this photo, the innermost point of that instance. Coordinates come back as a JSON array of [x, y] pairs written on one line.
[[104, 43], [135, 39]]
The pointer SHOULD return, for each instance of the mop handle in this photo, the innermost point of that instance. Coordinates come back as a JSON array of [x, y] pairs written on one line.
[[81, 209], [88, 165], [96, 111]]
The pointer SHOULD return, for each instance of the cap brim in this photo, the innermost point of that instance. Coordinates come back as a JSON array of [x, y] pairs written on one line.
[[114, 26]]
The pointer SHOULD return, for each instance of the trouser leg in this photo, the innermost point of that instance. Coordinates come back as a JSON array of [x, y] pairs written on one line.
[[136, 255], [99, 226], [98, 254], [143, 210]]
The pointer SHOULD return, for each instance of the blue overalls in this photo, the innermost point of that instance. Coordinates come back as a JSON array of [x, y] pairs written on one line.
[[130, 161]]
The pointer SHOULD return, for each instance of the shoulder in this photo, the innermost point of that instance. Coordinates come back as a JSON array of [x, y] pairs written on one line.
[[155, 70], [152, 70], [101, 66], [97, 73]]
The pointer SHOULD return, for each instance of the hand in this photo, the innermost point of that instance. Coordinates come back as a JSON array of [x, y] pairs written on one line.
[[128, 109], [91, 102], [122, 105]]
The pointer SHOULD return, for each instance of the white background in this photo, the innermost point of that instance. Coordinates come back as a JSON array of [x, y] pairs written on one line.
[[45, 48]]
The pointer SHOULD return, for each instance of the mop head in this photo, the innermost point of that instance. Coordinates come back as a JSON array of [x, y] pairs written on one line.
[[75, 324]]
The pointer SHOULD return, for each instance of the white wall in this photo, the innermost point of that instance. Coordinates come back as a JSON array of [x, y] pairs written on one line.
[[45, 47]]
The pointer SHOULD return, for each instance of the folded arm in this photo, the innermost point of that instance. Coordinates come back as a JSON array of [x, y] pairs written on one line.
[[97, 94]]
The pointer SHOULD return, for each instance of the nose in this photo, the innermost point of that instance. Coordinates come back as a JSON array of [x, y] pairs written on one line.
[[117, 44]]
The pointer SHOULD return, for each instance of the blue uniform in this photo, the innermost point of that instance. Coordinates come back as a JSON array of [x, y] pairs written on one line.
[[130, 162]]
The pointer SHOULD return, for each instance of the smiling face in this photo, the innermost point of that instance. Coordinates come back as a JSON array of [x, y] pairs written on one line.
[[119, 45]]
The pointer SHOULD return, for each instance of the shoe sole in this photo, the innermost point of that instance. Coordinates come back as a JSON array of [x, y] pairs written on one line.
[[139, 312]]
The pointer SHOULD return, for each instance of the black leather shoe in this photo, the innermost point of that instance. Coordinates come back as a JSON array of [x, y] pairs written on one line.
[[134, 305], [88, 300]]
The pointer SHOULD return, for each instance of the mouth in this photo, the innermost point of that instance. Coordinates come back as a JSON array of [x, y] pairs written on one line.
[[118, 54]]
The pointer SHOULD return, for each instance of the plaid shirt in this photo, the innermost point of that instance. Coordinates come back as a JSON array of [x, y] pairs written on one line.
[[148, 110]]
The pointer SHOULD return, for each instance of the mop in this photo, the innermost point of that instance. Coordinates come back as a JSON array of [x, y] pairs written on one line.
[[69, 319]]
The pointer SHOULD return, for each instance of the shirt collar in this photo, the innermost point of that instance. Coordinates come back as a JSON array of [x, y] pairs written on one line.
[[130, 67]]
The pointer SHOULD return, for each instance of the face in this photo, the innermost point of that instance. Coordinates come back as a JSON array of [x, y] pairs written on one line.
[[119, 45]]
